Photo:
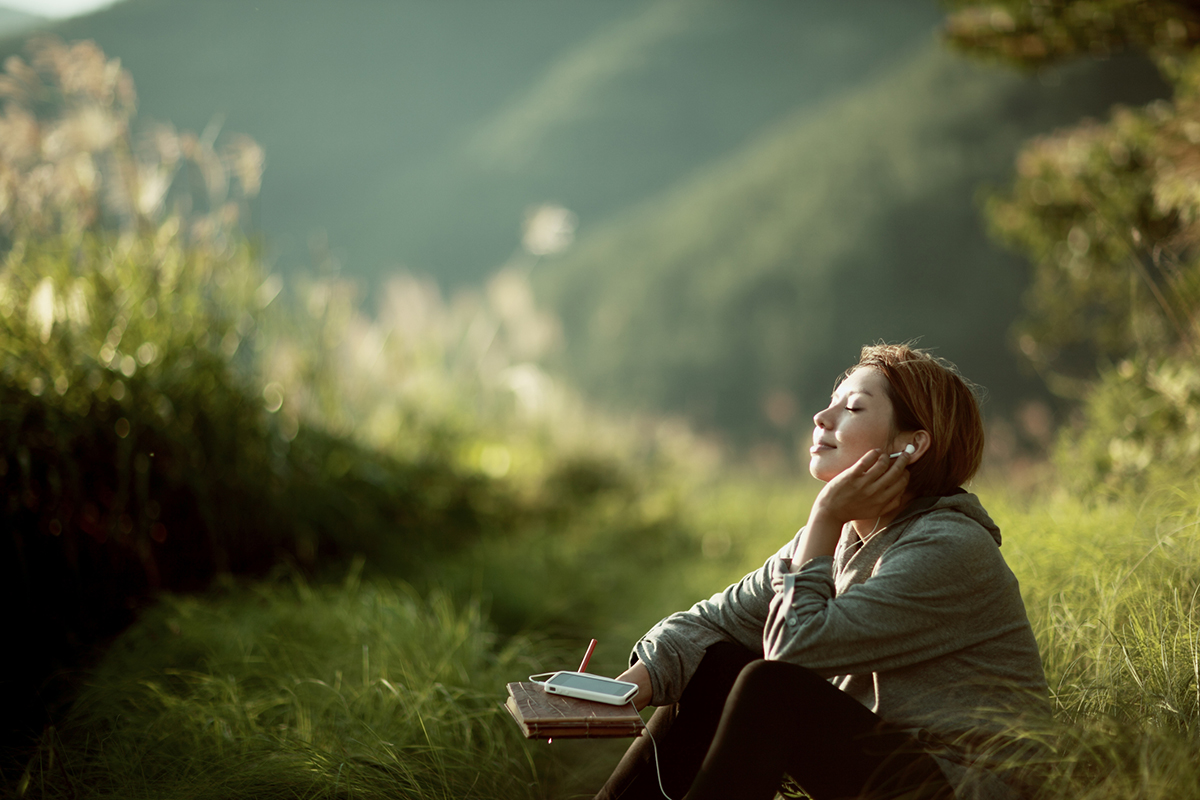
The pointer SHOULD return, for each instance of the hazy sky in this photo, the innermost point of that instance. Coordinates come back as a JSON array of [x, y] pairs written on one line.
[[56, 8]]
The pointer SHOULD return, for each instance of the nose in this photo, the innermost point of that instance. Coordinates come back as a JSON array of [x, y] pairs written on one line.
[[819, 417]]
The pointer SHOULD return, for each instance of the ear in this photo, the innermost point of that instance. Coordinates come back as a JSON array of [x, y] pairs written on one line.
[[920, 440]]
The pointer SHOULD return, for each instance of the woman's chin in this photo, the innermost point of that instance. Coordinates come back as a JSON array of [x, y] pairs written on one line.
[[820, 471]]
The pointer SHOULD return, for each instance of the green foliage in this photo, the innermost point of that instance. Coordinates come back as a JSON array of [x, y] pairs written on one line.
[[164, 419], [1031, 33], [1142, 431], [159, 405], [1104, 216], [1108, 214], [126, 430], [139, 447], [284, 690]]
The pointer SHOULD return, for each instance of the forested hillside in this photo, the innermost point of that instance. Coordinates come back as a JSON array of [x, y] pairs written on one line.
[[737, 295], [415, 134], [759, 187]]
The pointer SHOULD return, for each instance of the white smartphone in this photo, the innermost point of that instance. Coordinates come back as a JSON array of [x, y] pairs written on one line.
[[586, 686]]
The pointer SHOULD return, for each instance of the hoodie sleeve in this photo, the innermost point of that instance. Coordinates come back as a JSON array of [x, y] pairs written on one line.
[[941, 586], [672, 649]]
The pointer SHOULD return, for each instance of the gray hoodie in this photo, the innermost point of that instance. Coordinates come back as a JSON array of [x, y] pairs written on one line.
[[923, 624]]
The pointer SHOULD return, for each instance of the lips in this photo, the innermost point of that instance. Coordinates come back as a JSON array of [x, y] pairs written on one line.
[[821, 447]]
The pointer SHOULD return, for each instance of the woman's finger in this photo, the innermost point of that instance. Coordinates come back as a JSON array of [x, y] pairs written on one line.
[[870, 460]]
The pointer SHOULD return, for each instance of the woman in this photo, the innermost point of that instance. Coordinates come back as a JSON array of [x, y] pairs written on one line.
[[883, 652]]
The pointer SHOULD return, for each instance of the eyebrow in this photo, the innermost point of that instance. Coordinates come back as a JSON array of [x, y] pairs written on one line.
[[852, 391]]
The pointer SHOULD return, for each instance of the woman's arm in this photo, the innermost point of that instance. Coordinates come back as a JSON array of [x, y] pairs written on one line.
[[871, 489], [942, 587], [672, 649], [670, 652]]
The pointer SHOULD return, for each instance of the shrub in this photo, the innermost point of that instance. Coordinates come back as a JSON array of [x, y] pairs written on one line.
[[139, 447]]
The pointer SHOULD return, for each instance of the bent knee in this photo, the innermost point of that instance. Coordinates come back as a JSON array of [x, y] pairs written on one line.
[[772, 678]]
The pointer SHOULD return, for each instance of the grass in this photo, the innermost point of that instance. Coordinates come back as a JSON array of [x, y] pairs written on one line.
[[1111, 589], [370, 689], [282, 689]]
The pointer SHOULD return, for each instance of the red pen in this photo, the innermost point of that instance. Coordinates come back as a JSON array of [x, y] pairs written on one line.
[[582, 668], [587, 656]]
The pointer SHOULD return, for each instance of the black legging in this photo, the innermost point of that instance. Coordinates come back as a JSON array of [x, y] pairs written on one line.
[[743, 722]]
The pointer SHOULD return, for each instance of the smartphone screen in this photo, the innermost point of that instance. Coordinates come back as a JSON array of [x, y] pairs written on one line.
[[591, 684]]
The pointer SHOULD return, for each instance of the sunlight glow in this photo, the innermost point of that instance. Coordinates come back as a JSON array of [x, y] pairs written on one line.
[[56, 9]]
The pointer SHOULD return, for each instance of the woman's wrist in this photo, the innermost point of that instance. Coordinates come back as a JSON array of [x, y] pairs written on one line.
[[825, 515], [641, 676], [821, 534]]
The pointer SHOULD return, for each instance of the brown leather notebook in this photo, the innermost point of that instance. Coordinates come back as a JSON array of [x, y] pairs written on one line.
[[546, 716]]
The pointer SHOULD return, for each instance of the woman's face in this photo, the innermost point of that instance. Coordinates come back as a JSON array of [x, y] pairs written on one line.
[[859, 418]]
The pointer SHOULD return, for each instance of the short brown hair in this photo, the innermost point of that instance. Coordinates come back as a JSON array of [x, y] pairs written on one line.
[[929, 394]]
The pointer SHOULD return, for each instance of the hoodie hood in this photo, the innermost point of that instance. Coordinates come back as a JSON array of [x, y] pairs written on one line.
[[961, 501]]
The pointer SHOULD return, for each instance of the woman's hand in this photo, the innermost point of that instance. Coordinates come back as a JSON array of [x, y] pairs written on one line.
[[872, 488], [641, 676]]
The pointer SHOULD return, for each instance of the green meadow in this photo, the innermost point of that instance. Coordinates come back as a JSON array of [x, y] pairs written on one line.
[[366, 687]]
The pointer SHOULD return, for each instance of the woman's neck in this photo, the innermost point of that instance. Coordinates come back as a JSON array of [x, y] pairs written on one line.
[[866, 528]]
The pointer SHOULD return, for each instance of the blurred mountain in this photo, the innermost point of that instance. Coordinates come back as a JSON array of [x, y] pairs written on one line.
[[761, 186], [14, 22], [416, 134], [739, 295]]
